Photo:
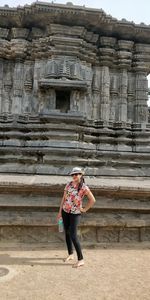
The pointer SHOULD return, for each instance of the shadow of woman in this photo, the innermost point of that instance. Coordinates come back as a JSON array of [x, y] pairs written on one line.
[[6, 259]]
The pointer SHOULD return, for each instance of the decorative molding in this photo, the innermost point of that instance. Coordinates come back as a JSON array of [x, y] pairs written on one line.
[[65, 84]]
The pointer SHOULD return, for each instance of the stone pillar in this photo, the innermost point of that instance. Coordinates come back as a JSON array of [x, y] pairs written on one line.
[[114, 88], [141, 68], [4, 50], [75, 101], [1, 83], [96, 105], [107, 55], [37, 105], [18, 77], [6, 108], [131, 97], [47, 101], [86, 101], [105, 86], [141, 108], [28, 85], [124, 55], [19, 50], [96, 94], [122, 109]]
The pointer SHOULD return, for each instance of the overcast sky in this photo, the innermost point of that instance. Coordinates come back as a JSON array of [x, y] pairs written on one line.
[[132, 10]]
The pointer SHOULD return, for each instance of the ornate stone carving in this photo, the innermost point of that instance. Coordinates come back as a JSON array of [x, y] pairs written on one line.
[[105, 87], [18, 49], [47, 102], [107, 50], [66, 67], [75, 101], [102, 73], [28, 86], [19, 33], [5, 49], [141, 109], [80, 77], [17, 87], [4, 33], [1, 83], [37, 33], [131, 96], [122, 116]]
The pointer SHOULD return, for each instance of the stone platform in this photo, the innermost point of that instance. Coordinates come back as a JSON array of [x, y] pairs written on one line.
[[29, 205], [54, 145]]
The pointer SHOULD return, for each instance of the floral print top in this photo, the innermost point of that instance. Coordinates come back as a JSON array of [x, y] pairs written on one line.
[[73, 201]]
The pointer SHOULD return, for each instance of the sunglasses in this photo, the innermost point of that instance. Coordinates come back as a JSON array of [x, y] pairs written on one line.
[[76, 174]]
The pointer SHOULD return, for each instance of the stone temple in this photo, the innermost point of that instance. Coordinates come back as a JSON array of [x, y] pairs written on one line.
[[73, 92]]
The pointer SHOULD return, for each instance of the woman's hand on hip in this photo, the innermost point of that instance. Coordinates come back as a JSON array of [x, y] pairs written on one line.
[[83, 210]]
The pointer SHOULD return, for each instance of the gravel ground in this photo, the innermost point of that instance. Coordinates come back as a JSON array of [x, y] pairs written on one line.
[[109, 273]]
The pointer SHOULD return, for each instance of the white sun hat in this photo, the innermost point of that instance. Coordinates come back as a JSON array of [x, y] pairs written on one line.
[[77, 170]]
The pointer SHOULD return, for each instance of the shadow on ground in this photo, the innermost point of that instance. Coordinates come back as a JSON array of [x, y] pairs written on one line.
[[6, 259]]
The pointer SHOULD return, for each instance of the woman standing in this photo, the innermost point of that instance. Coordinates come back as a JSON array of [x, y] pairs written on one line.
[[71, 209]]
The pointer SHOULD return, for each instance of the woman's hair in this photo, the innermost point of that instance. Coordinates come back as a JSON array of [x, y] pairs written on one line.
[[81, 183]]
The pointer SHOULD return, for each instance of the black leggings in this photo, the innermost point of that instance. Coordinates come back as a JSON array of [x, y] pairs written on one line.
[[71, 222]]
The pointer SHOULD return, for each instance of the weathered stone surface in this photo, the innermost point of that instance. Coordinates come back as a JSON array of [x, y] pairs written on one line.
[[64, 72], [144, 234], [73, 91], [29, 205], [73, 56], [107, 235], [129, 235]]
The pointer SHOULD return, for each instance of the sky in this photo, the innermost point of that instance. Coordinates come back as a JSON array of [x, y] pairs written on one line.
[[137, 11]]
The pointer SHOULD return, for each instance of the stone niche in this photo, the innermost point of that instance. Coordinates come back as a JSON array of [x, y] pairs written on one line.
[[62, 87]]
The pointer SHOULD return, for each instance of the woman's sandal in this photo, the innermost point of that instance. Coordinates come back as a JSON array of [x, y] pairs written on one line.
[[80, 263], [69, 257]]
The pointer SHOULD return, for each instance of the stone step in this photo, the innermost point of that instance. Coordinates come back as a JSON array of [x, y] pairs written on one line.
[[84, 153], [73, 140], [47, 161], [37, 134], [53, 186], [35, 145], [47, 203], [30, 167], [38, 219], [39, 160], [29, 206]]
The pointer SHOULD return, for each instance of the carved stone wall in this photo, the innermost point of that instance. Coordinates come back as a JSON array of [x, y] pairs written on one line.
[[73, 89], [105, 75]]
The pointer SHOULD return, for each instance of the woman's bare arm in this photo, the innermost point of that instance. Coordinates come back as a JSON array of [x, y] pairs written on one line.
[[62, 201], [61, 205], [90, 203]]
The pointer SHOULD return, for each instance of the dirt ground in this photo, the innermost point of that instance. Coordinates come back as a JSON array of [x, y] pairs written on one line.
[[109, 273]]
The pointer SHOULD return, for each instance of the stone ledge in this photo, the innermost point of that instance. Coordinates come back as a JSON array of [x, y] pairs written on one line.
[[90, 220], [109, 186], [92, 236]]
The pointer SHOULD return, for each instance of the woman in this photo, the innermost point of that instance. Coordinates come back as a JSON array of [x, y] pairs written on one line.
[[71, 209]]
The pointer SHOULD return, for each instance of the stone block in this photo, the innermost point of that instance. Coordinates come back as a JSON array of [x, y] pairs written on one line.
[[128, 235], [20, 234], [145, 234], [107, 235], [87, 234]]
